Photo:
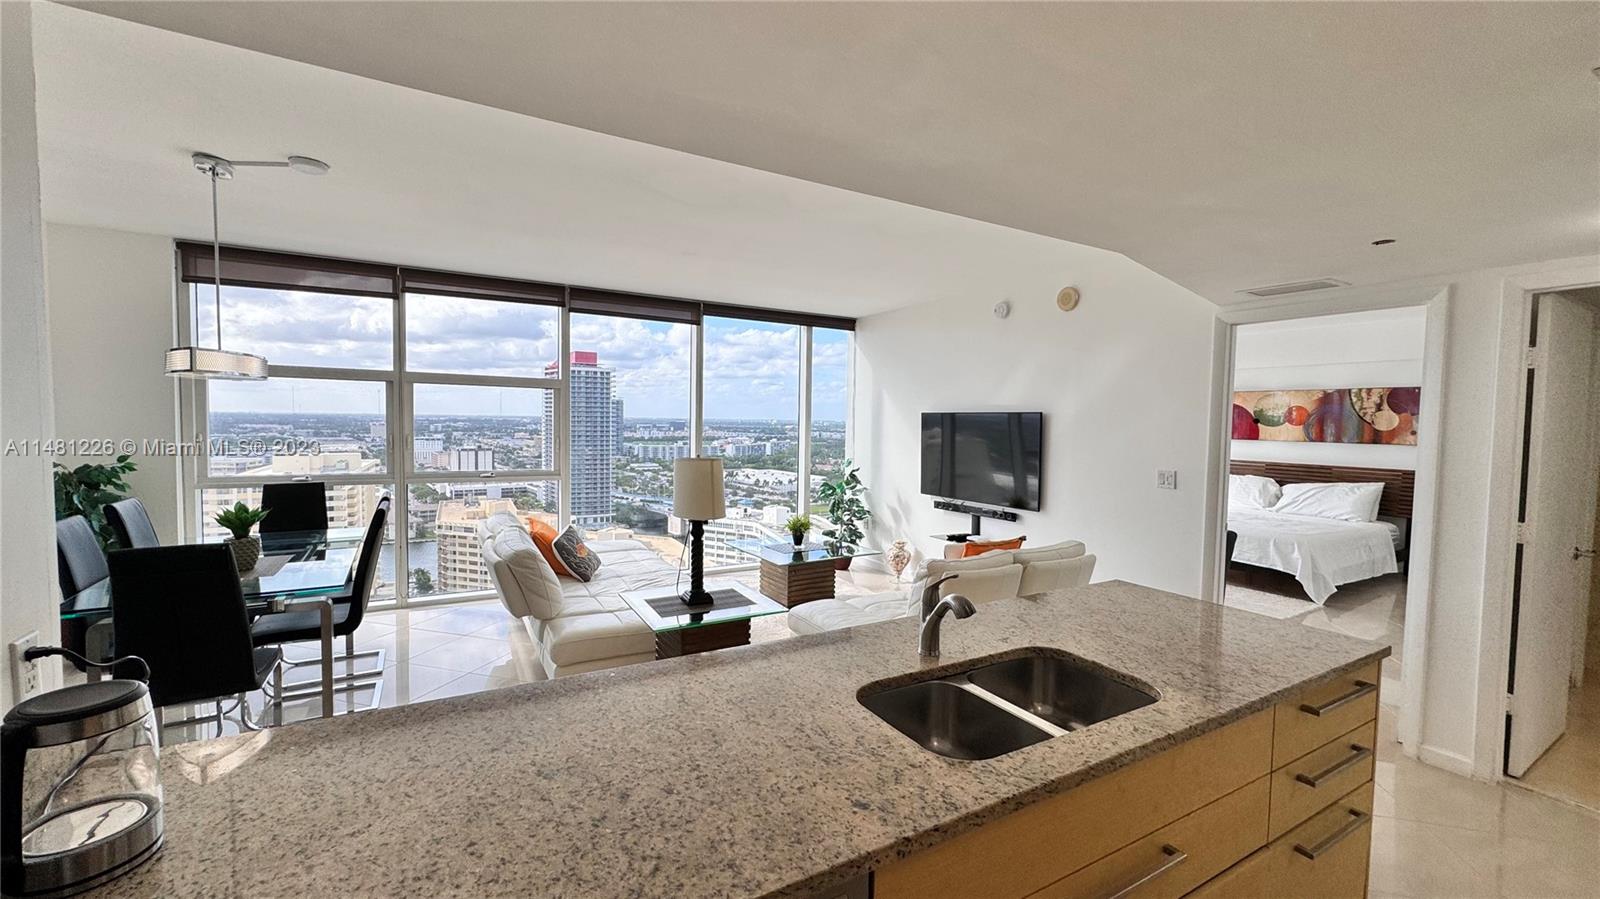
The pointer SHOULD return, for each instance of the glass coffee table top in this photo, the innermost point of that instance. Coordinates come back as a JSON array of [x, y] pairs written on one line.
[[789, 554], [663, 611]]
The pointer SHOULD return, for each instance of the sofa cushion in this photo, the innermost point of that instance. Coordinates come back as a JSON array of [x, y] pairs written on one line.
[[544, 536], [1066, 549], [1055, 574], [571, 639], [832, 614], [982, 585], [579, 561], [525, 578], [499, 521], [979, 547], [933, 569]]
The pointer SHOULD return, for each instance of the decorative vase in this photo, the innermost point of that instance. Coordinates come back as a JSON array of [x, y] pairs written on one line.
[[843, 563], [246, 551], [898, 558], [799, 538]]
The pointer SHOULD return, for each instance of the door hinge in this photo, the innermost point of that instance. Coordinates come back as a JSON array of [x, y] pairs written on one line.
[[1533, 357], [1510, 699], [1524, 532]]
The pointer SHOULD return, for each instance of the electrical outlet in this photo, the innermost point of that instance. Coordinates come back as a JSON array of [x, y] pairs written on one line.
[[24, 674], [1166, 479]]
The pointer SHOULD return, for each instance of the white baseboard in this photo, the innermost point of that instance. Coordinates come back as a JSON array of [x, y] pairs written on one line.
[[1448, 761]]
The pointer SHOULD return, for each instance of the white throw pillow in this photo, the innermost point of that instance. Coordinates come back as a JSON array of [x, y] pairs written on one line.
[[1055, 574], [1252, 491], [541, 590], [1342, 502], [1066, 549]]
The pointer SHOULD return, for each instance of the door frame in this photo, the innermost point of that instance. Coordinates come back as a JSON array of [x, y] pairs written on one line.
[[1494, 648], [1435, 297]]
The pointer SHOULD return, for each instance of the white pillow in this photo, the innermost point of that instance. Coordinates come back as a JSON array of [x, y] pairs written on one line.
[[1252, 492], [1343, 502], [533, 576]]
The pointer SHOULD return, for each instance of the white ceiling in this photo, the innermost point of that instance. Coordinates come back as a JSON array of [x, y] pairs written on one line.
[[1226, 146], [427, 180]]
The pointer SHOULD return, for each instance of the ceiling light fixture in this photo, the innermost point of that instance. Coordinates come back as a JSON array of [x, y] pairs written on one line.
[[204, 362]]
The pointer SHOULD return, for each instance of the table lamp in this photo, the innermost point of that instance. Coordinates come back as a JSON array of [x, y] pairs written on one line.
[[697, 497]]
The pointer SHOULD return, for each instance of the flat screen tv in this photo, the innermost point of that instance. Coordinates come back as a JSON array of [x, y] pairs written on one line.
[[992, 458]]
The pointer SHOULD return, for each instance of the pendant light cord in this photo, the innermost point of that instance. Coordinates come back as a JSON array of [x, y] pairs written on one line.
[[216, 255]]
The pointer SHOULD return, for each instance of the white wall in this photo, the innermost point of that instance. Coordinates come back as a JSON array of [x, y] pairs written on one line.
[[28, 592], [1380, 348], [1123, 382], [111, 319]]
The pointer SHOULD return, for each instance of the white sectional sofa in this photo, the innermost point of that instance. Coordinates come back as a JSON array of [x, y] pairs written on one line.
[[1000, 574], [578, 626]]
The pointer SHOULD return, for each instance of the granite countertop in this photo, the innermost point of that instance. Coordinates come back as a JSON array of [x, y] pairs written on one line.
[[745, 772]]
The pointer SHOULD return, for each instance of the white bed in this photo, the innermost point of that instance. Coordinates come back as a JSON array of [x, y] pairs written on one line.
[[1320, 553]]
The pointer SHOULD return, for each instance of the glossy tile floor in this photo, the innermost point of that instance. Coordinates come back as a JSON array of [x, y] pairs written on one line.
[[1434, 834]]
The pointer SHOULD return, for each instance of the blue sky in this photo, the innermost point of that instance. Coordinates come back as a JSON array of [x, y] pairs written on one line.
[[752, 368]]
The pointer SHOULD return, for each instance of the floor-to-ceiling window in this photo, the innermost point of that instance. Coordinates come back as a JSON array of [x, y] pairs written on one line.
[[464, 396]]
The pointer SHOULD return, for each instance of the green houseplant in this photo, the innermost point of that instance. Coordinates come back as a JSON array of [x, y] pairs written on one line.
[[847, 510], [797, 528], [88, 489], [246, 546]]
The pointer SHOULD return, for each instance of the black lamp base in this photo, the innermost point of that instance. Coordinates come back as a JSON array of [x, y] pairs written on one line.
[[697, 594]]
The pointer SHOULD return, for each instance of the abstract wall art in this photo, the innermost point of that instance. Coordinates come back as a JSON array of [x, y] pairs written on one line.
[[1385, 415]]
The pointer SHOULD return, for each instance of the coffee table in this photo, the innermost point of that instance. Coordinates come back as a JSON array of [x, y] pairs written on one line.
[[793, 575], [682, 630]]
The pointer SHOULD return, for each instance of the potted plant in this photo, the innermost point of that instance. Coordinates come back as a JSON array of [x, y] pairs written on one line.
[[847, 511], [797, 528], [88, 489], [245, 545]]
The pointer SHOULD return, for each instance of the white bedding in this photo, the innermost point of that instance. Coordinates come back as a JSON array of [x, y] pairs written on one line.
[[1321, 553]]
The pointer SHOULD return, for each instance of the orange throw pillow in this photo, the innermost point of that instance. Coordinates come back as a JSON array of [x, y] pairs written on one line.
[[979, 547], [544, 536]]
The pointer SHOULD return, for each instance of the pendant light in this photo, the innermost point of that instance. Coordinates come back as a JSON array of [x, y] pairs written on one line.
[[205, 362]]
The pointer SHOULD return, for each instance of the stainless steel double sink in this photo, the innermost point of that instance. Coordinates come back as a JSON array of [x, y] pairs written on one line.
[[998, 707]]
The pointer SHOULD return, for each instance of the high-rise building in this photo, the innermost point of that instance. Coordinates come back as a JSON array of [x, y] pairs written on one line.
[[616, 428], [349, 505], [470, 458], [658, 452], [461, 566], [423, 449], [591, 439]]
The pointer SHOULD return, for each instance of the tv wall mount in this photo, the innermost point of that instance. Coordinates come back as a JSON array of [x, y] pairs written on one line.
[[978, 513]]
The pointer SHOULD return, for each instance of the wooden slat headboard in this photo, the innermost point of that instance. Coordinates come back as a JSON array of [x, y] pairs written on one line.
[[1398, 485]]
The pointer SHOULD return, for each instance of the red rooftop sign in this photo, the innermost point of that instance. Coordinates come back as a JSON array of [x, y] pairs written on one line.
[[585, 357]]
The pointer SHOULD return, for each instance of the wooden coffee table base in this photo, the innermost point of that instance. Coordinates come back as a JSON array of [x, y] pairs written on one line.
[[723, 634], [791, 585]]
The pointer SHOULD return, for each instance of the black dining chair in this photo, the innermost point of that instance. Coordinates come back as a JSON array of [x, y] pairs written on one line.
[[301, 506], [131, 523], [348, 610], [80, 562], [182, 610]]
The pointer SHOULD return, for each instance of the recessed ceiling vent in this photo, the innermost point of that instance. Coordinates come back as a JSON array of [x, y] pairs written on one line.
[[1278, 290]]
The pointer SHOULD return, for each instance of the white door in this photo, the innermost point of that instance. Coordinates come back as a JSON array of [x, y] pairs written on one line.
[[1557, 521]]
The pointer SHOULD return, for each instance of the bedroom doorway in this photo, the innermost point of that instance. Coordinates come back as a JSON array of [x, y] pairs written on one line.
[[1552, 723], [1322, 472]]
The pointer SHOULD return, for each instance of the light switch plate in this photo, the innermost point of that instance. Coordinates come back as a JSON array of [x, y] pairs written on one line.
[[1167, 479], [24, 674]]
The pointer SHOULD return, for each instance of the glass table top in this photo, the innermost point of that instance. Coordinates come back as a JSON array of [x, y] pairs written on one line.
[[319, 563], [663, 611], [789, 554]]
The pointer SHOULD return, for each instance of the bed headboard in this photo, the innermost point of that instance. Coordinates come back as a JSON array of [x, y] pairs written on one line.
[[1398, 485]]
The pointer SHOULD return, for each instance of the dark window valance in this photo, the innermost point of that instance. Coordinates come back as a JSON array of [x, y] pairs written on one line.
[[286, 271], [479, 287], [778, 316], [633, 305]]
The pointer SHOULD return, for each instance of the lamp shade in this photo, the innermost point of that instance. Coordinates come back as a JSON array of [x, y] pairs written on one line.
[[697, 489]]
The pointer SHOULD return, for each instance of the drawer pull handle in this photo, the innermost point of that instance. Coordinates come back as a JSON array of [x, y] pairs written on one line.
[[1362, 689], [1358, 819], [1358, 753], [1174, 858]]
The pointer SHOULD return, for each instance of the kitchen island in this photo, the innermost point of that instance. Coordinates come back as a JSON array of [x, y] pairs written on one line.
[[752, 771]]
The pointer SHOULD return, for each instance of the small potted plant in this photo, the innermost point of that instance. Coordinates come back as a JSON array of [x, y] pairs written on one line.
[[847, 511], [245, 545], [797, 528]]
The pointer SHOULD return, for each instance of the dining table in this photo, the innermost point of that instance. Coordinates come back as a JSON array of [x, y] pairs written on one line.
[[298, 571]]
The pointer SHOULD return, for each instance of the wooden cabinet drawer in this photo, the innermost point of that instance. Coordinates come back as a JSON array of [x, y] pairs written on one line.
[[1340, 839], [1311, 782], [1039, 844], [1175, 859], [1321, 713]]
